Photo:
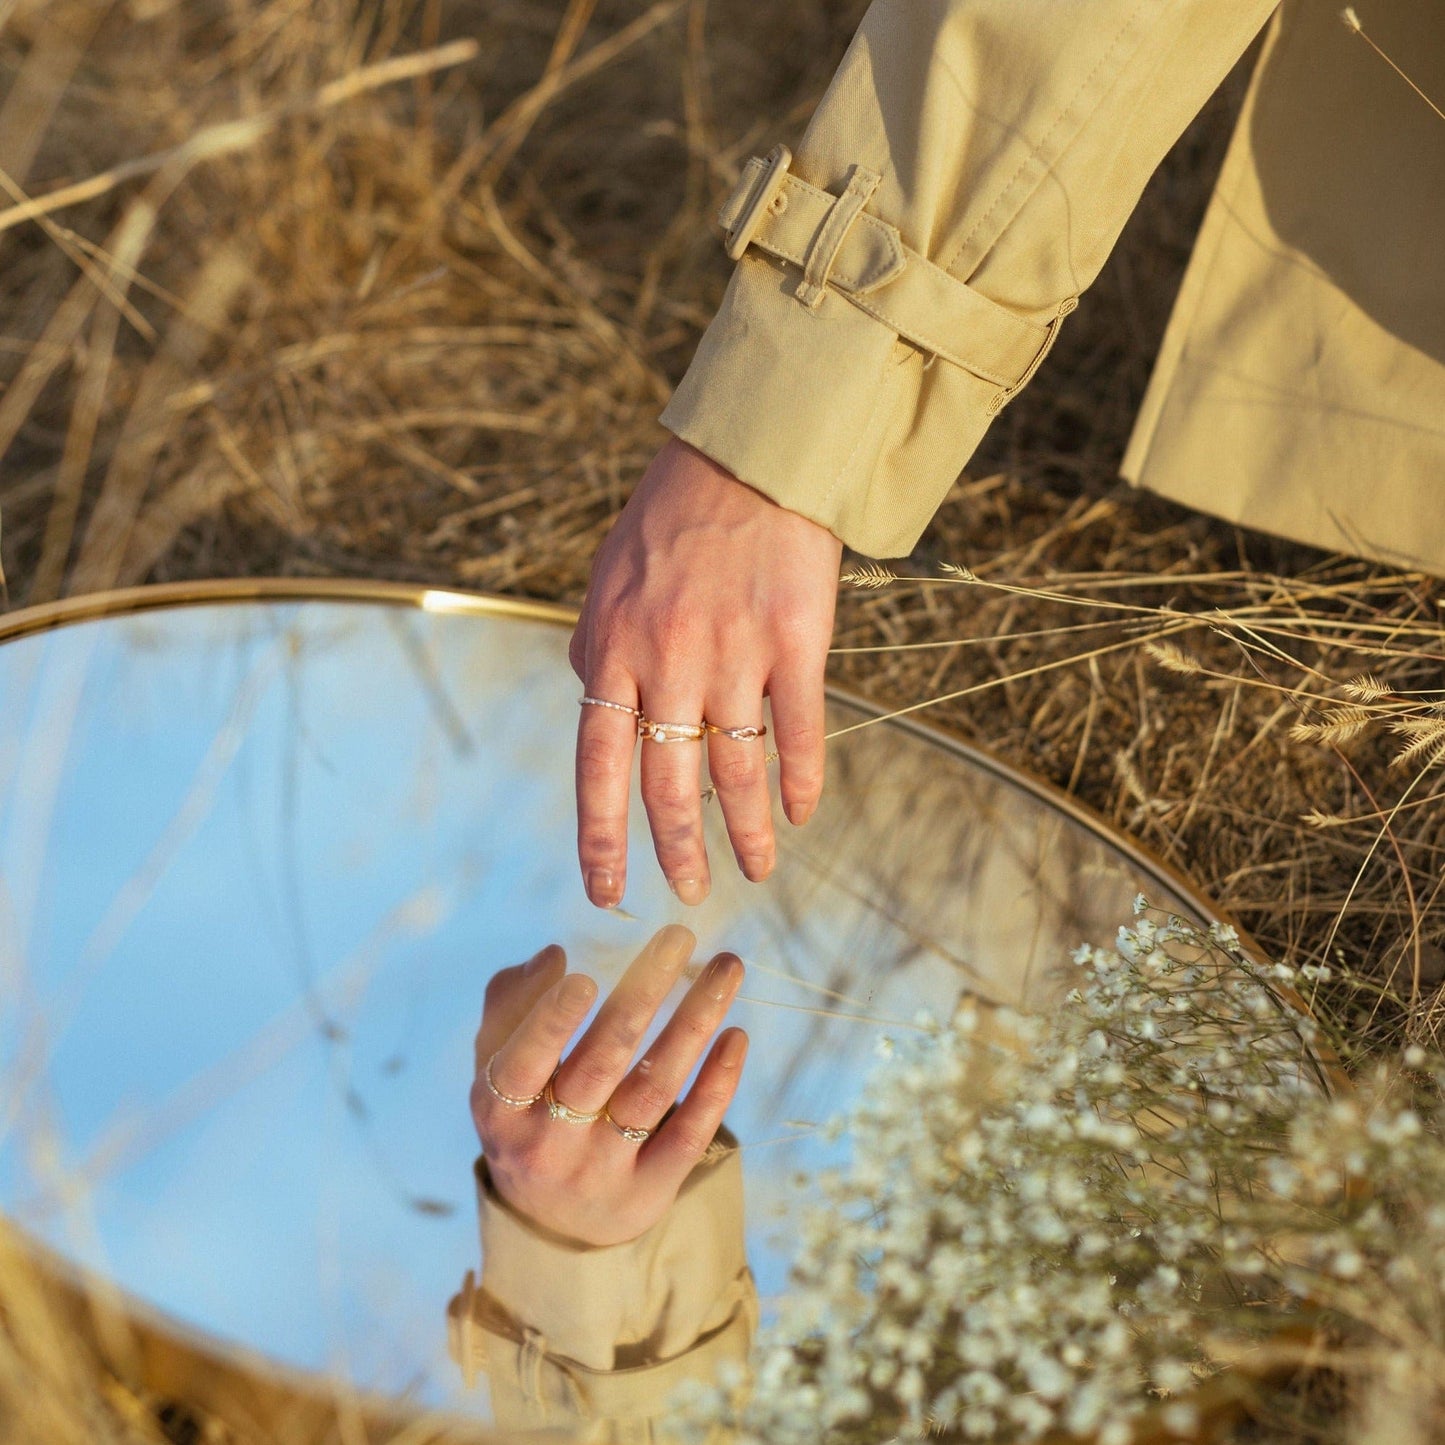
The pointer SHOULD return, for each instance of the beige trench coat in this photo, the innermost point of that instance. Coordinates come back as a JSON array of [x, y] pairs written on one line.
[[572, 1338], [961, 184]]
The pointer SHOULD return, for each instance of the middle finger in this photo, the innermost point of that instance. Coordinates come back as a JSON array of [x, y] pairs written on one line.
[[673, 797], [594, 1068]]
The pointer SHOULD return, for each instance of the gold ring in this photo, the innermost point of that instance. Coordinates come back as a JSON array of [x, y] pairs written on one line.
[[602, 702], [558, 1110], [665, 732], [633, 1136], [512, 1101], [743, 735]]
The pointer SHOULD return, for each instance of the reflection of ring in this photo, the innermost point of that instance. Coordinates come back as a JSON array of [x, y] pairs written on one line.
[[558, 1110], [602, 702], [743, 735], [512, 1101], [665, 732], [633, 1136]]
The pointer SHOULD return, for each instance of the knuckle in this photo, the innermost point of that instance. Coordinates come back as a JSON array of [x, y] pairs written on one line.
[[672, 630], [670, 793], [689, 1136], [802, 738], [593, 1073], [736, 774], [793, 627], [803, 780], [650, 1098], [623, 1035], [598, 844], [599, 760], [752, 842], [530, 1158], [696, 1028]]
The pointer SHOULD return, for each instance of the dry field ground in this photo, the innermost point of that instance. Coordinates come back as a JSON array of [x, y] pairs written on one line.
[[396, 288]]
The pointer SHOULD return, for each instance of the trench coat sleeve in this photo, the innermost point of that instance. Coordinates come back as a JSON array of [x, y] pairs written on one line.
[[568, 1334], [1010, 139]]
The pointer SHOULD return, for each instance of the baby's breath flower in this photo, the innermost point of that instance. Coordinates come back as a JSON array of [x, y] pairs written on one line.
[[1052, 1258]]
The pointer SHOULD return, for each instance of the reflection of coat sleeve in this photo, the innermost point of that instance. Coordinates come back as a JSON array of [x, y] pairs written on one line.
[[567, 1333], [1010, 140]]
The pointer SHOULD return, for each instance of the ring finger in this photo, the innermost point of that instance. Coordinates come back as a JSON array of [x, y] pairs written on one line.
[[740, 774], [643, 1098]]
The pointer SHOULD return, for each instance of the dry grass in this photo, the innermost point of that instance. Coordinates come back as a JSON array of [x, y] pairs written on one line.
[[289, 311]]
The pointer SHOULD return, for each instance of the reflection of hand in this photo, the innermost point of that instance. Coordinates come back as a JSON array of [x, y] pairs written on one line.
[[704, 597], [589, 1182]]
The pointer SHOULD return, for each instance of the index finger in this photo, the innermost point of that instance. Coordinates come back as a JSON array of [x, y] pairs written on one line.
[[511, 993], [606, 740]]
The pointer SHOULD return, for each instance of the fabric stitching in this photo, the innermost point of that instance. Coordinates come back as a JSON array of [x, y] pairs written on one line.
[[863, 433], [916, 336], [1036, 152], [913, 334], [924, 343], [1185, 356], [842, 213]]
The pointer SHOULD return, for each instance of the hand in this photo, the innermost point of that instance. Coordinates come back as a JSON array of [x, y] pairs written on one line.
[[588, 1182], [704, 597]]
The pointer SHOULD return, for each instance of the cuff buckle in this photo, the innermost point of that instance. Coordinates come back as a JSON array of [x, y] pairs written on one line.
[[755, 206]]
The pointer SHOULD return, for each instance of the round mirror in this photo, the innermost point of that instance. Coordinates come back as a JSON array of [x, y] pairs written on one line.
[[260, 856]]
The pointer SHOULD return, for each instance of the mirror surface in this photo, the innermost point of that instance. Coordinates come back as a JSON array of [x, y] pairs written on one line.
[[258, 862]]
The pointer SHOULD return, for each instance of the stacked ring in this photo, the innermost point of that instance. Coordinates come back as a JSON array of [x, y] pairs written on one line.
[[632, 1135], [602, 702], [665, 732], [512, 1101], [558, 1110], [675, 732], [742, 735]]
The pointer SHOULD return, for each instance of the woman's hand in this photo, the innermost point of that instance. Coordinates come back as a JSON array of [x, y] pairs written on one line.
[[600, 1182], [705, 597]]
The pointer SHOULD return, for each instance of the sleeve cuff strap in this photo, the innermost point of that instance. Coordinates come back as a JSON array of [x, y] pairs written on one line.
[[665, 1288], [839, 244]]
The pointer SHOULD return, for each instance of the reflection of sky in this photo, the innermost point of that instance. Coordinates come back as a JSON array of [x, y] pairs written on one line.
[[275, 823]]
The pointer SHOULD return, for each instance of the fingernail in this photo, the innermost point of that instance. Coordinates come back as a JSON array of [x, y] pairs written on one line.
[[756, 866], [602, 888], [718, 976], [798, 813], [578, 991], [733, 1049], [689, 890]]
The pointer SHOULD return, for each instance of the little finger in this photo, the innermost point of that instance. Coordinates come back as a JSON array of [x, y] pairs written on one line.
[[674, 1151]]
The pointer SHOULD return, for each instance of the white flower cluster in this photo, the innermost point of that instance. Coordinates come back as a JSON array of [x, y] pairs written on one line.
[[1046, 1225]]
